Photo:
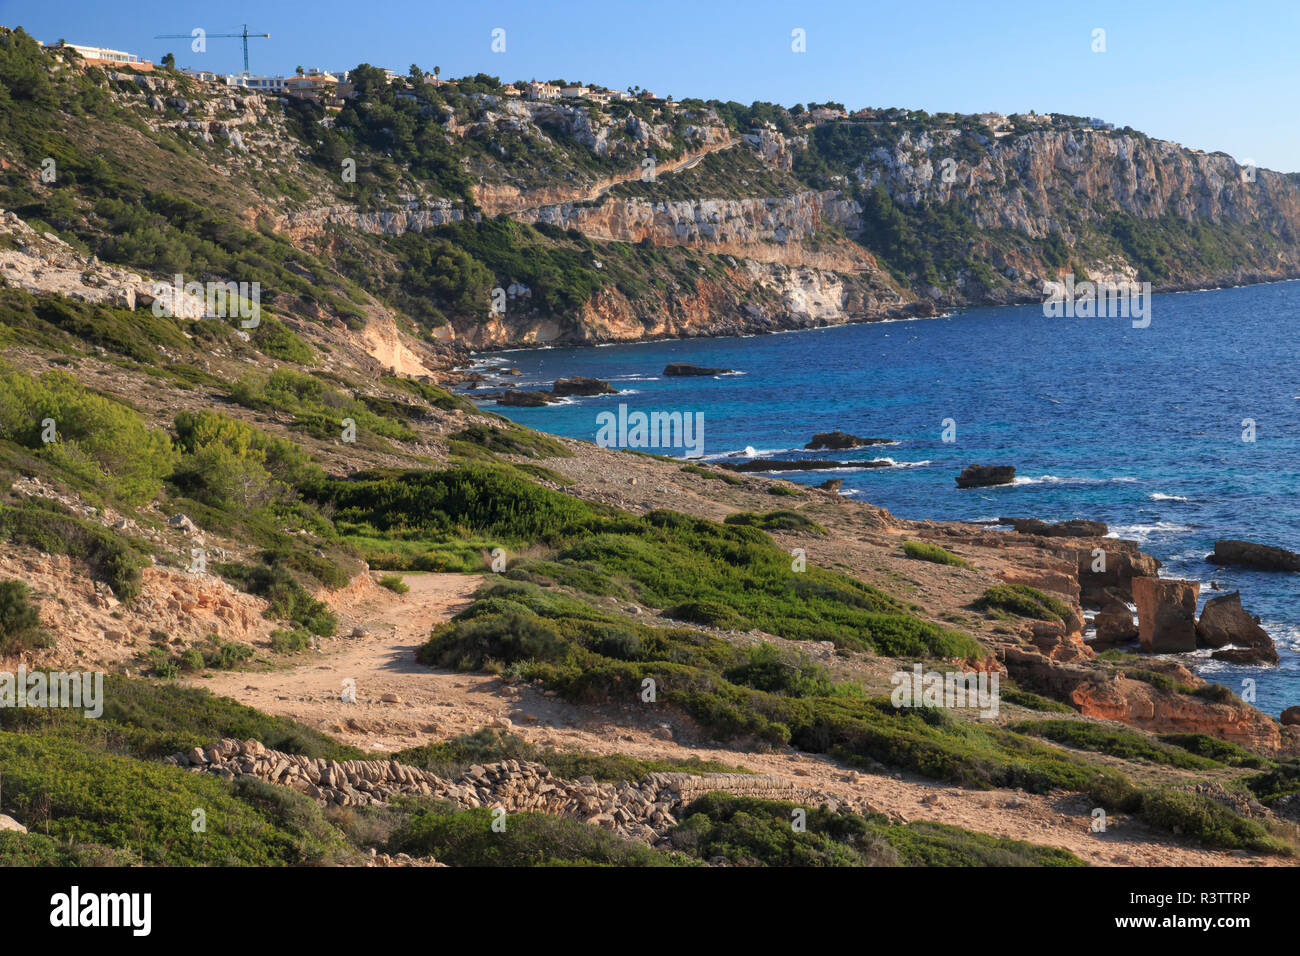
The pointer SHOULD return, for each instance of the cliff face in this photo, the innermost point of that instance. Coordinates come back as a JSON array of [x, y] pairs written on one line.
[[1047, 180], [741, 219]]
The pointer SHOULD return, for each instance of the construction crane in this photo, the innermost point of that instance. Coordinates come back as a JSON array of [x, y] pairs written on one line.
[[245, 35]]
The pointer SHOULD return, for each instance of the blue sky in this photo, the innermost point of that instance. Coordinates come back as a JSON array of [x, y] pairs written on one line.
[[1216, 76]]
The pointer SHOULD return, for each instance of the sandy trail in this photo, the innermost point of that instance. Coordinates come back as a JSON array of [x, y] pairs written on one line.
[[436, 705]]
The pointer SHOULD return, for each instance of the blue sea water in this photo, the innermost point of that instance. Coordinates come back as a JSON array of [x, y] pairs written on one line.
[[1140, 428]]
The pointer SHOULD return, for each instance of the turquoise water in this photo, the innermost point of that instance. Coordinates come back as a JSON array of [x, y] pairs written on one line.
[[1140, 428]]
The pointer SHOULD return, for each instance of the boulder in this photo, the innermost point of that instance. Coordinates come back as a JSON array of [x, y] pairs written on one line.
[[579, 385], [1224, 621], [831, 484], [1074, 528], [838, 440], [1114, 624], [1122, 563], [1247, 655], [9, 823], [685, 368], [979, 476], [518, 398], [1290, 717], [1166, 614], [1252, 555], [183, 523]]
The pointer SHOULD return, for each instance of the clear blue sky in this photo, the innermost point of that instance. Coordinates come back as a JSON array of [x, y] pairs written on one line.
[[1217, 76]]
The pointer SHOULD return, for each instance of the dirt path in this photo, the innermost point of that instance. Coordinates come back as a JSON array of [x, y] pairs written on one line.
[[436, 705]]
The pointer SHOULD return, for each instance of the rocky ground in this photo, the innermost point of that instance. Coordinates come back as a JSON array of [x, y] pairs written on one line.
[[400, 704]]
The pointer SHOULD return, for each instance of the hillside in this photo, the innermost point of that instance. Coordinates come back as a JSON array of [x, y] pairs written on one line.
[[429, 198], [354, 616]]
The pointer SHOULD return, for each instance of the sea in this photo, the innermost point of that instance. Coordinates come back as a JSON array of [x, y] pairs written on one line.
[[1175, 434]]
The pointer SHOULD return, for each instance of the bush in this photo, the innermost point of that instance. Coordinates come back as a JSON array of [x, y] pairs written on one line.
[[287, 599], [925, 551], [511, 440], [48, 526], [394, 583], [1197, 816], [775, 521], [466, 838], [1022, 600], [147, 719], [1125, 744], [289, 642], [98, 441], [1035, 702], [224, 656], [749, 831], [146, 808], [708, 613], [20, 622]]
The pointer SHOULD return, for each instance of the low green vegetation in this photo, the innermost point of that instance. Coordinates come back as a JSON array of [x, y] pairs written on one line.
[[1126, 744], [1034, 702], [713, 475], [509, 440], [321, 411], [50, 527], [287, 599], [925, 551], [467, 838], [146, 809], [148, 719], [745, 831], [95, 441], [1022, 600], [20, 621], [290, 641], [394, 583], [775, 521], [1228, 754]]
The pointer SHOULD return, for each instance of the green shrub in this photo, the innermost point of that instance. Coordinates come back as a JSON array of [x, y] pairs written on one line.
[[288, 600], [290, 641], [749, 831], [467, 838], [1215, 749], [98, 441], [1211, 823], [316, 408], [147, 808], [1126, 744], [394, 583], [925, 551], [20, 622], [511, 440], [224, 655], [1035, 702], [148, 719], [708, 613], [1022, 600], [48, 526], [1276, 782], [721, 476], [775, 521]]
